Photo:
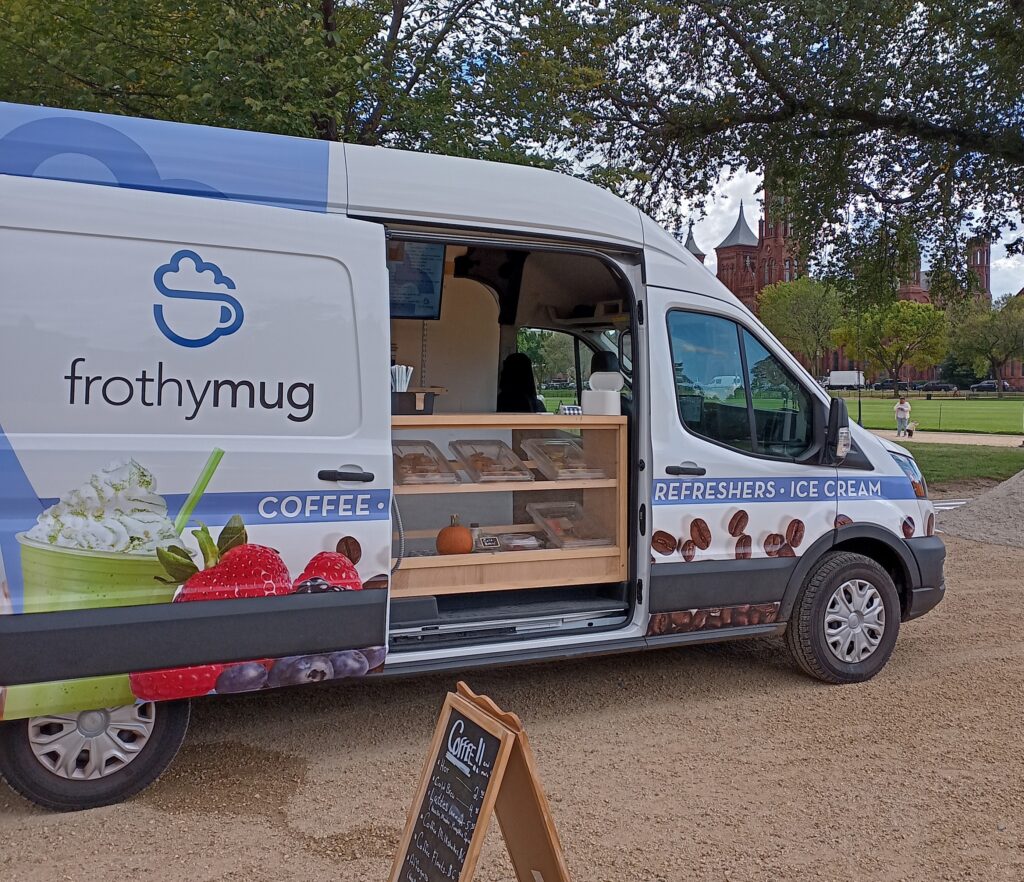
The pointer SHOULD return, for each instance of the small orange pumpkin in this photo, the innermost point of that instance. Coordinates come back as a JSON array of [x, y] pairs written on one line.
[[455, 538]]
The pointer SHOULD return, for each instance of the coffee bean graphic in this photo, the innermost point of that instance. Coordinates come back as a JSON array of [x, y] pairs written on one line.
[[700, 533], [741, 614], [689, 550], [908, 527], [786, 550], [738, 523], [795, 532], [378, 581], [773, 543], [743, 544], [663, 543], [842, 521], [350, 547], [929, 525]]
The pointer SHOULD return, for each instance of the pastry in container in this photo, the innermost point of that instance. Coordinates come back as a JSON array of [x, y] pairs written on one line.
[[490, 461], [566, 525], [421, 462], [560, 459]]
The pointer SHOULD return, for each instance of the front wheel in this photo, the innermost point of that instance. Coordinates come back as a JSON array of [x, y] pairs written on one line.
[[844, 625], [67, 762]]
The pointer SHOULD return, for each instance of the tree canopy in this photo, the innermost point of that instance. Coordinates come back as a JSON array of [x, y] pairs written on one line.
[[803, 314], [988, 337], [889, 111], [463, 77], [896, 334]]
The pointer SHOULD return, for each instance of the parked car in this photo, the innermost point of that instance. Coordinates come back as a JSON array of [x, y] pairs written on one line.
[[937, 386], [883, 385], [989, 386]]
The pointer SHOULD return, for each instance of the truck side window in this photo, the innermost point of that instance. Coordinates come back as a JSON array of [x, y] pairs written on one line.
[[730, 389], [782, 407], [708, 368]]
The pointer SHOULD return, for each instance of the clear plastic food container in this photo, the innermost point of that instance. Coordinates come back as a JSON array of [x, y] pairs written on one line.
[[566, 525], [520, 541], [421, 462], [490, 461], [560, 459]]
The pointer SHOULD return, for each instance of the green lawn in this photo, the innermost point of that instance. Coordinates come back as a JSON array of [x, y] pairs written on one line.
[[959, 462], [946, 414]]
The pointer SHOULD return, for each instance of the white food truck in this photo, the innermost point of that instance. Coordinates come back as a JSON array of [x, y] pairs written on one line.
[[197, 333]]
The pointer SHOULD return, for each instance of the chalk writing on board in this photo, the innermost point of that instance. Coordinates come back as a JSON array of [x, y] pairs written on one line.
[[448, 814]]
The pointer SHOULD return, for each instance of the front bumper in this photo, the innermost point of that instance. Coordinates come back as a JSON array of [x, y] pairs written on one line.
[[928, 590]]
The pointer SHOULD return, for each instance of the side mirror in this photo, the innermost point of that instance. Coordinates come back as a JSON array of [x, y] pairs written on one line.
[[837, 433]]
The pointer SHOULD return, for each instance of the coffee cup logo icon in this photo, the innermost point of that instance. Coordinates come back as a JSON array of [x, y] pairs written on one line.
[[187, 277]]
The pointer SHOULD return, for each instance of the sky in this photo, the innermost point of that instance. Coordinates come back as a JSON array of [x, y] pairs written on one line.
[[1007, 272]]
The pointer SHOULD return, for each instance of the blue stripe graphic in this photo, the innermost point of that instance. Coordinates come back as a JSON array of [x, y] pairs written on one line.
[[282, 506], [748, 490], [146, 154], [19, 508]]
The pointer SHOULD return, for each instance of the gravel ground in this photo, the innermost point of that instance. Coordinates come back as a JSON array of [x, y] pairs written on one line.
[[996, 516], [719, 763]]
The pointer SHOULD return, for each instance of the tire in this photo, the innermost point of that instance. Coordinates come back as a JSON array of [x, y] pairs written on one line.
[[819, 641], [165, 723]]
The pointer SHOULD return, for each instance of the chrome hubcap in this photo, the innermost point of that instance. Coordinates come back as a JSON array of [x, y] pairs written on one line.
[[854, 621], [91, 744]]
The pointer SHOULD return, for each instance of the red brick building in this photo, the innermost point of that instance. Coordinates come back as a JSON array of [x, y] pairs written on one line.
[[748, 262]]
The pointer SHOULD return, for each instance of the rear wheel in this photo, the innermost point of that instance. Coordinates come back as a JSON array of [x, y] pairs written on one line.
[[846, 619], [67, 762]]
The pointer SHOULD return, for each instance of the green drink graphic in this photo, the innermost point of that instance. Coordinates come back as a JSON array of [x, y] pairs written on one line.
[[116, 506], [58, 578]]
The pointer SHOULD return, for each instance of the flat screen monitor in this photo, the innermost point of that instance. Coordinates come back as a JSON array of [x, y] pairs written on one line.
[[416, 273]]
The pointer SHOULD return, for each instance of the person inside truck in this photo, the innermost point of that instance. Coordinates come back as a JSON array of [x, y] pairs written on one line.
[[517, 389]]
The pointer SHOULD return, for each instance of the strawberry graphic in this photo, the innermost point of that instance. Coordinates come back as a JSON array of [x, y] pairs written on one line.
[[328, 571], [174, 683], [233, 567]]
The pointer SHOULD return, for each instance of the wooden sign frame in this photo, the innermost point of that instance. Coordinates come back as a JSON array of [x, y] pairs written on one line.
[[513, 793]]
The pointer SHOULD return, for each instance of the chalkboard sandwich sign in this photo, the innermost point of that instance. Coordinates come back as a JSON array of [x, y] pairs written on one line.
[[479, 763]]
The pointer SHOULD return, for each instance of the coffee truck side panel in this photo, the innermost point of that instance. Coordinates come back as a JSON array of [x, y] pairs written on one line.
[[194, 338]]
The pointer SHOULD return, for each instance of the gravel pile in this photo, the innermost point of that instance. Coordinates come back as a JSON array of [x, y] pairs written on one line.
[[996, 516]]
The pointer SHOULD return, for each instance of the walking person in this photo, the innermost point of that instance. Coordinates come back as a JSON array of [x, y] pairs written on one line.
[[902, 410]]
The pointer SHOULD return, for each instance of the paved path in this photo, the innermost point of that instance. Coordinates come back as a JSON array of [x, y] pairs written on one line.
[[949, 504], [955, 438]]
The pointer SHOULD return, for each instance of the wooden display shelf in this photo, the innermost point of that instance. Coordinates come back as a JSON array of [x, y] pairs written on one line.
[[604, 499], [505, 558], [504, 486], [506, 421], [508, 570]]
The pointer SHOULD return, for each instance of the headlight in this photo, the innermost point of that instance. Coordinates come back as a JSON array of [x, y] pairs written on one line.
[[911, 470]]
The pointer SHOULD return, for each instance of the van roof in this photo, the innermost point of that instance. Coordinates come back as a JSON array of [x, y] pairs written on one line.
[[310, 175], [306, 174]]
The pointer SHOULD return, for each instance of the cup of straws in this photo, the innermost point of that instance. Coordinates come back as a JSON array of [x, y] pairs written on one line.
[[401, 374]]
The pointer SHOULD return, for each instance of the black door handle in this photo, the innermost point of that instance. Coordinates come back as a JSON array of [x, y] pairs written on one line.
[[335, 475], [688, 468]]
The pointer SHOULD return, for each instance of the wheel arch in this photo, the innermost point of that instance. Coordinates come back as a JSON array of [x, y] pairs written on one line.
[[875, 542]]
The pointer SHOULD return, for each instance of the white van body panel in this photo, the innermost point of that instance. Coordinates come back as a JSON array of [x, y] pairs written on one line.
[[400, 185], [295, 275]]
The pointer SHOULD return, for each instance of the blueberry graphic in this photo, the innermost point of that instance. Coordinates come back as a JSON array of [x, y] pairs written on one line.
[[350, 663], [298, 669], [375, 655], [316, 586], [242, 678]]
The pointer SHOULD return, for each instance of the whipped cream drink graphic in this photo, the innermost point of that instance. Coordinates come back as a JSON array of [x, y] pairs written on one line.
[[117, 509], [97, 546]]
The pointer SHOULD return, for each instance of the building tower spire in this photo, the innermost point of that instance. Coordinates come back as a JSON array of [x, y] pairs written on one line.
[[691, 245]]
